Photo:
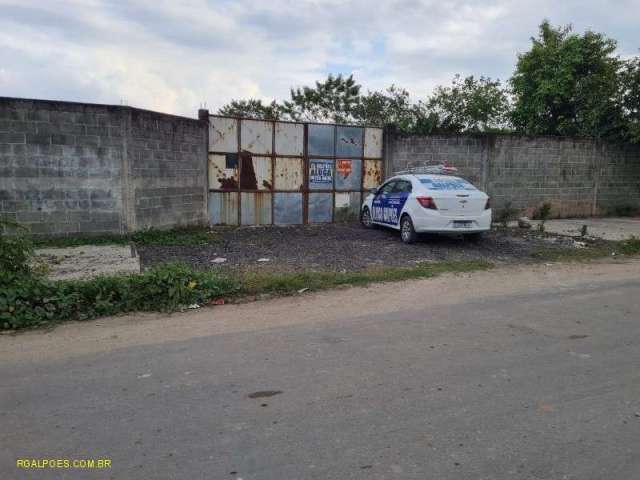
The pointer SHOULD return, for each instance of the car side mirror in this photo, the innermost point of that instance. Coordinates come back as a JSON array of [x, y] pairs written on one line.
[[374, 191]]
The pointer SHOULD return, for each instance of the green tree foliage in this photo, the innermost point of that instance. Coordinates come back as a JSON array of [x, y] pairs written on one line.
[[252, 108], [333, 100], [470, 104], [567, 84], [394, 106], [630, 98]]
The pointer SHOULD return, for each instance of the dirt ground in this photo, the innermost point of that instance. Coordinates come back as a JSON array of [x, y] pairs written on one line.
[[344, 247], [87, 261]]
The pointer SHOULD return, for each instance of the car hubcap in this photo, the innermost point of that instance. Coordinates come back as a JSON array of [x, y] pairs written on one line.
[[406, 230]]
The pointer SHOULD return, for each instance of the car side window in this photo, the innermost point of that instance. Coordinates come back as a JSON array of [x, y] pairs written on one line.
[[402, 186], [387, 187]]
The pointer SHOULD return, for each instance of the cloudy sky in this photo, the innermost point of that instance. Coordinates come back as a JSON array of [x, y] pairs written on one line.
[[174, 56]]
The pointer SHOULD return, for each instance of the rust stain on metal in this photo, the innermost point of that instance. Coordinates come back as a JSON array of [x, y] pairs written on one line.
[[372, 173], [227, 183], [248, 179], [221, 177]]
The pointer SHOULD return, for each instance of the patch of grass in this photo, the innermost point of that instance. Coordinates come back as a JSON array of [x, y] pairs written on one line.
[[572, 254], [79, 240], [630, 247], [592, 251], [178, 236], [288, 283]]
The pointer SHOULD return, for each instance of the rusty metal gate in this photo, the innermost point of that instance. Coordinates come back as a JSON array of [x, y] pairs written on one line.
[[265, 172]]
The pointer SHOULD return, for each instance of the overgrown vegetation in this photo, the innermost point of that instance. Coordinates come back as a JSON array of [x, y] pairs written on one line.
[[29, 299], [567, 83], [195, 235], [630, 247], [542, 213], [506, 214]]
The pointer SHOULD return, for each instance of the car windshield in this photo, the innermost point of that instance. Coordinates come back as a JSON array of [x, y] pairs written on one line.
[[446, 183]]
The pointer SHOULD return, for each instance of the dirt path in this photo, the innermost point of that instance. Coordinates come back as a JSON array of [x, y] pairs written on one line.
[[344, 247], [110, 334]]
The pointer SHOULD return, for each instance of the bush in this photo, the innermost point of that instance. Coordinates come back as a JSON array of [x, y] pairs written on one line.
[[28, 300], [543, 212], [15, 250], [506, 214]]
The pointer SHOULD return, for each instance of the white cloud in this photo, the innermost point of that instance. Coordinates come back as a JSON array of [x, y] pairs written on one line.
[[172, 56]]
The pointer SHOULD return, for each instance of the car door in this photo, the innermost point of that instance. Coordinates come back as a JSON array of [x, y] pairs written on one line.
[[396, 199], [379, 203]]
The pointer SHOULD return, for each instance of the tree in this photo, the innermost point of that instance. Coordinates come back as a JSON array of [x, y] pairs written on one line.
[[567, 84], [470, 105], [393, 106], [333, 100], [252, 108], [630, 98]]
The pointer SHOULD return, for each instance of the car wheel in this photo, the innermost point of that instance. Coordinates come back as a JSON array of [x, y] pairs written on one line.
[[365, 218], [474, 237], [407, 232]]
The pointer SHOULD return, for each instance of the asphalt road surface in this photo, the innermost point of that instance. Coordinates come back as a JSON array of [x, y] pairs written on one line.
[[519, 373]]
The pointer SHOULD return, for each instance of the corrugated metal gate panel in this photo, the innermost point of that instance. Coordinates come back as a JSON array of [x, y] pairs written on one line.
[[255, 208], [287, 208], [255, 173], [289, 139], [223, 135], [223, 171], [320, 207], [289, 174], [372, 173], [373, 142], [348, 174], [349, 141], [256, 136], [276, 172], [321, 140], [223, 208]]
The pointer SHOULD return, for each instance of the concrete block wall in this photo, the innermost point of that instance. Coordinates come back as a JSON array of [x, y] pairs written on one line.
[[618, 185], [61, 166], [167, 158], [577, 176], [69, 168]]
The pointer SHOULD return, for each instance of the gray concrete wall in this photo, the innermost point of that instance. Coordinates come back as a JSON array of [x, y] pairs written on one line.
[[578, 176], [80, 168], [167, 161]]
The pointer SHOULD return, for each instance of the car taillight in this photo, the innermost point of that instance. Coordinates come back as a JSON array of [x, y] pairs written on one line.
[[427, 202], [487, 205]]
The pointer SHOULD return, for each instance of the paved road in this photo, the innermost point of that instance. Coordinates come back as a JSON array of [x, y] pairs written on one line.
[[513, 374]]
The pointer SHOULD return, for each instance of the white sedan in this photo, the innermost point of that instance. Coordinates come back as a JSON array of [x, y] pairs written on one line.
[[416, 203]]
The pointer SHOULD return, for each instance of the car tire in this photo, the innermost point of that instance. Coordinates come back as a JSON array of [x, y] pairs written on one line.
[[407, 232], [474, 237], [365, 218]]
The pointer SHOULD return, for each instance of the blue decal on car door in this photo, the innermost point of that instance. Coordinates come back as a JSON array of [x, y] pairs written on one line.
[[389, 202]]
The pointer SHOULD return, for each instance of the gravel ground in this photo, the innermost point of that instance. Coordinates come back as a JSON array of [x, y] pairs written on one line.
[[87, 261], [343, 247]]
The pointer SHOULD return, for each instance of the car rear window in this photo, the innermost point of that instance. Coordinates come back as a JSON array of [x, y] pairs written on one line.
[[452, 183]]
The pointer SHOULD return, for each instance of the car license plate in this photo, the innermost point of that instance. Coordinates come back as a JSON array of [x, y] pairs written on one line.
[[462, 224]]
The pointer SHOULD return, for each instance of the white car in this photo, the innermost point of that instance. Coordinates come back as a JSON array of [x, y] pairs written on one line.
[[415, 203]]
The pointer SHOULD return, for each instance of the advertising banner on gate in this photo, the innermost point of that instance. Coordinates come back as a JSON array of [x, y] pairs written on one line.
[[320, 173], [344, 167]]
